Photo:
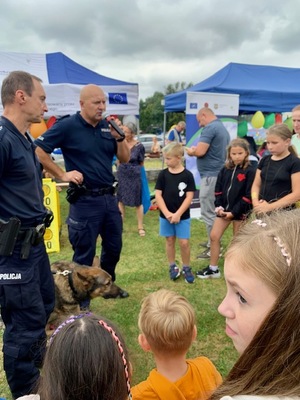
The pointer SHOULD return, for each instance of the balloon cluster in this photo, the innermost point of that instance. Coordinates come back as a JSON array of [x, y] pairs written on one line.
[[37, 129], [259, 121]]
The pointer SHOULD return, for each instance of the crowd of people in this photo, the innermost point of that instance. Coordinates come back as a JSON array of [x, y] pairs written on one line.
[[87, 356], [261, 308]]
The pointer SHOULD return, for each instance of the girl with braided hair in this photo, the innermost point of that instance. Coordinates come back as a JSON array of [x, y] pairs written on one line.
[[86, 359]]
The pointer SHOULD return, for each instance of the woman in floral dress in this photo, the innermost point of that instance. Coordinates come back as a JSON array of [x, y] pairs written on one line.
[[129, 177]]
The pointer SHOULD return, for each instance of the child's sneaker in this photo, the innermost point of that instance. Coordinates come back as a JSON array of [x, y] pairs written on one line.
[[204, 244], [174, 272], [206, 253], [208, 273], [188, 275]]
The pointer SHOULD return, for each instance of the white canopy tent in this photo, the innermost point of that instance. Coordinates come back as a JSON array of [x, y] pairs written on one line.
[[63, 79]]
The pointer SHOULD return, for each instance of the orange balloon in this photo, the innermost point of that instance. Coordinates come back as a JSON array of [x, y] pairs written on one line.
[[38, 129]]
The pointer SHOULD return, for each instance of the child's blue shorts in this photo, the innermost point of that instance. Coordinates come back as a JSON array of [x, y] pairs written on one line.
[[182, 230]]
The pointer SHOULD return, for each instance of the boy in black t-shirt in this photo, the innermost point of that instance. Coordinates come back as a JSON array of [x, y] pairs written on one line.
[[174, 192]]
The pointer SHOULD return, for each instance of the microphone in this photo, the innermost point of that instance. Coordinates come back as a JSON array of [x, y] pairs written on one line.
[[113, 123]]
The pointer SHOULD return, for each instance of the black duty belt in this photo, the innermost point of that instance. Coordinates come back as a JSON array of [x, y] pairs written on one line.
[[99, 192]]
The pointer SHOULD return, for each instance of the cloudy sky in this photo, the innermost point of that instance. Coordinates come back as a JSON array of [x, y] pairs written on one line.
[[155, 42]]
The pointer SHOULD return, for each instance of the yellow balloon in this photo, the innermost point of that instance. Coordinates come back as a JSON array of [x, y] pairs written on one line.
[[38, 129], [258, 120]]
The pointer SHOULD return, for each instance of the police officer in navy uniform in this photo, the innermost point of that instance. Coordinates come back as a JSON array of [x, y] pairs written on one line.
[[26, 282], [88, 144]]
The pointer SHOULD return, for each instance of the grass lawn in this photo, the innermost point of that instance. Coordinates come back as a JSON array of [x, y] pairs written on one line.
[[143, 268]]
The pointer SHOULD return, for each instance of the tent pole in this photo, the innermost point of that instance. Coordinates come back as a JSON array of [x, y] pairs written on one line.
[[165, 127], [164, 135]]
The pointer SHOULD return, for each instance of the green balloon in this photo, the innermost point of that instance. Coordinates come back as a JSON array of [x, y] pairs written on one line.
[[289, 123], [269, 120], [242, 129]]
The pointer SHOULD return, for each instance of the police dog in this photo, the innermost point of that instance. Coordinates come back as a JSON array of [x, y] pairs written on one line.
[[75, 283]]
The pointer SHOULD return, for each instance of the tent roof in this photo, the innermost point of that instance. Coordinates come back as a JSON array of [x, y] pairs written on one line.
[[63, 79], [61, 69], [261, 87]]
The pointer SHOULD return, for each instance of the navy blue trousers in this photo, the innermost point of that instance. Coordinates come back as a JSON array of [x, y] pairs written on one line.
[[90, 217], [27, 299]]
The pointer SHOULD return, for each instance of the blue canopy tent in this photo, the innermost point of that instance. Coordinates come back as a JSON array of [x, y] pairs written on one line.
[[63, 79], [263, 88]]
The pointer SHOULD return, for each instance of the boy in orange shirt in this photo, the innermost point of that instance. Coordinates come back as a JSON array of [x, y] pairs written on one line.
[[167, 324]]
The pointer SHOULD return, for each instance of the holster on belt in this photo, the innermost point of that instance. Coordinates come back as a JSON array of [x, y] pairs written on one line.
[[8, 235], [74, 192], [32, 237]]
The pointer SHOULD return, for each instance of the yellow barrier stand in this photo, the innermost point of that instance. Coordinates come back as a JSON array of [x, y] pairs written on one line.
[[51, 201]]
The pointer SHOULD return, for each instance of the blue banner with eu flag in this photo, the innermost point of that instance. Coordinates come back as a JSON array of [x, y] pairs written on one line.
[[117, 98]]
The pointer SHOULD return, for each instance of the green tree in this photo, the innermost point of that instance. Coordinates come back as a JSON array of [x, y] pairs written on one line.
[[177, 87], [152, 113], [152, 110]]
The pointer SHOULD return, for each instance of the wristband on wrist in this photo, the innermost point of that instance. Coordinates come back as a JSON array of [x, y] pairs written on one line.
[[121, 139], [254, 195]]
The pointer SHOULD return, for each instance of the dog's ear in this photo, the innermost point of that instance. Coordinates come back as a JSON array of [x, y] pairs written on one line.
[[82, 275], [96, 262], [86, 279]]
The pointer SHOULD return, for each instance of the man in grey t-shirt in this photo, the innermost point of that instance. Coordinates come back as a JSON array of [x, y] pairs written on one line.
[[211, 153]]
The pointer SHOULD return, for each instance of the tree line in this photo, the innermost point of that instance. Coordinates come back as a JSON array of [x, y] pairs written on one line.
[[152, 110]]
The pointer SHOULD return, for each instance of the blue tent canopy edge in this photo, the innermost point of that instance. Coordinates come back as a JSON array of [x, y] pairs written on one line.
[[75, 73], [261, 87]]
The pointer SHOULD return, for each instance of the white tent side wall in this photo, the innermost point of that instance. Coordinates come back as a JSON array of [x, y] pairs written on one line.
[[63, 97]]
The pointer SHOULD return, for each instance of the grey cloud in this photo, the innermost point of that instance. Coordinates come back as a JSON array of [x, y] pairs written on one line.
[[155, 42]]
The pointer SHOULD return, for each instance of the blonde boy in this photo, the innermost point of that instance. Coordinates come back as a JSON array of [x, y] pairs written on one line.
[[174, 192], [167, 325]]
